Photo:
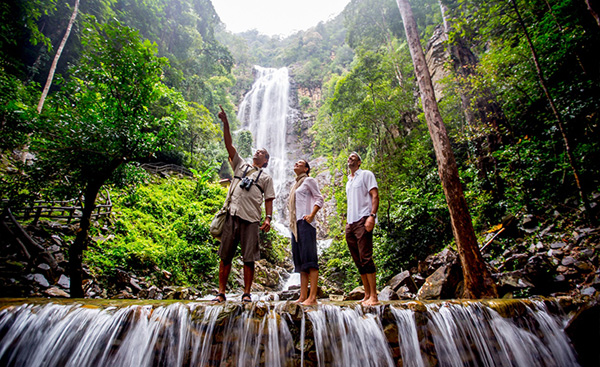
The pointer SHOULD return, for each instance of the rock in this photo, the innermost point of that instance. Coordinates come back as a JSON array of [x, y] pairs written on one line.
[[387, 294], [289, 295], [433, 262], [588, 291], [567, 261], [560, 278], [401, 279], [529, 223], [436, 57], [55, 292], [135, 285], [356, 294], [557, 245], [513, 280], [336, 297], [555, 253], [267, 275], [441, 284], [405, 293], [516, 261], [124, 295], [155, 293], [586, 254], [584, 267], [39, 279], [64, 282]]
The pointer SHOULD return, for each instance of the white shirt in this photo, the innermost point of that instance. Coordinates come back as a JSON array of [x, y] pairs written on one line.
[[307, 196], [357, 193]]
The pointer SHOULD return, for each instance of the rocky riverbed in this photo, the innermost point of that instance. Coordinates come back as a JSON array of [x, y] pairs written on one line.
[[544, 259]]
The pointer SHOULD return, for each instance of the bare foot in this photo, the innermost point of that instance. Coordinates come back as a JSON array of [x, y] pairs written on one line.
[[300, 300], [371, 302], [309, 302]]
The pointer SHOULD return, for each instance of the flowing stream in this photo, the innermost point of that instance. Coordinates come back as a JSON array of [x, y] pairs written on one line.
[[524, 333]]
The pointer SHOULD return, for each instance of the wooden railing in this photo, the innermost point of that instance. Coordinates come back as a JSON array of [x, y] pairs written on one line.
[[155, 168], [72, 209], [64, 209]]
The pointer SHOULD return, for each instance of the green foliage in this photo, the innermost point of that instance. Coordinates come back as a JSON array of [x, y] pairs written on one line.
[[113, 110], [163, 227], [339, 266], [17, 109], [244, 143], [274, 247]]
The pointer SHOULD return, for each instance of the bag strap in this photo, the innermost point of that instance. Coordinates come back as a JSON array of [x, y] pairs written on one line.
[[255, 181]]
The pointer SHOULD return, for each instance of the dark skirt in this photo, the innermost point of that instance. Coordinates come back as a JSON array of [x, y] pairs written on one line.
[[304, 250]]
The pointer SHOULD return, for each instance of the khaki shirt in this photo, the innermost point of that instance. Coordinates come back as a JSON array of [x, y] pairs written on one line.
[[246, 204]]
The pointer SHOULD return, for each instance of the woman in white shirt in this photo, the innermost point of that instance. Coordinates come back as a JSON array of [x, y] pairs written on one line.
[[304, 203]]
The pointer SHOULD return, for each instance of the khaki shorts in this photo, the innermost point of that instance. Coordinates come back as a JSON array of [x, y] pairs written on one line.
[[236, 231]]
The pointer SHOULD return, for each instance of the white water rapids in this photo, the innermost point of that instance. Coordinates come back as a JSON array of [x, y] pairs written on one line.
[[283, 334]]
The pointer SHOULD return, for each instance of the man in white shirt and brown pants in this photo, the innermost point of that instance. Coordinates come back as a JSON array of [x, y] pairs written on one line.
[[363, 201]]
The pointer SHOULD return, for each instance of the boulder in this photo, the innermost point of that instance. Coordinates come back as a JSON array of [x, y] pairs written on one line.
[[387, 294], [441, 284], [356, 294], [403, 279]]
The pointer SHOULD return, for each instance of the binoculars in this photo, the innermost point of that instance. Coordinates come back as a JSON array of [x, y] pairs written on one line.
[[246, 183]]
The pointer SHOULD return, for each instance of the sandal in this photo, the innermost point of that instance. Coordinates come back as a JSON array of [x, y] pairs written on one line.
[[219, 298], [246, 297]]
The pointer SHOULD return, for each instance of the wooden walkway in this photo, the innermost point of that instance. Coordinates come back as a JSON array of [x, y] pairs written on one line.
[[64, 210], [70, 210], [156, 168]]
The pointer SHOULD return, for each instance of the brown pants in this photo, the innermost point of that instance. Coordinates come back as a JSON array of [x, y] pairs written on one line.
[[238, 231], [360, 244]]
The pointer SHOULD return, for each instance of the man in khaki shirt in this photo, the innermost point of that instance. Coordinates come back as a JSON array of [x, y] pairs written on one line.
[[244, 216]]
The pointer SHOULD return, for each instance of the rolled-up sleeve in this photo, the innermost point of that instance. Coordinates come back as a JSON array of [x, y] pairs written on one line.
[[313, 186]]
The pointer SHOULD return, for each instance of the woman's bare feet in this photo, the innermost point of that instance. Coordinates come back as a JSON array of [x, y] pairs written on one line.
[[371, 302], [310, 302]]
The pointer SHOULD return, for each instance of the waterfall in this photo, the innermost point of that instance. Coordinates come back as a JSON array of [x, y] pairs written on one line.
[[274, 334], [265, 111], [347, 337]]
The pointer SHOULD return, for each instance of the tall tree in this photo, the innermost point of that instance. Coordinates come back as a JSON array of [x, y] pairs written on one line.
[[593, 11], [478, 282], [114, 111], [57, 57]]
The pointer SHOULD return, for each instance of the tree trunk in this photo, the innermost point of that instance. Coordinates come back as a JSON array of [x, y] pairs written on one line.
[[593, 11], [81, 240], [478, 282], [56, 57], [559, 120]]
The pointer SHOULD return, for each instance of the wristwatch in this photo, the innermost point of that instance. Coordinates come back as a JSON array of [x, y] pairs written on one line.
[[268, 216], [372, 215]]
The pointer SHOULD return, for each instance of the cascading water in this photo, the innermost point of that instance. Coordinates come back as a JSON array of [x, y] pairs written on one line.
[[265, 111], [492, 333]]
